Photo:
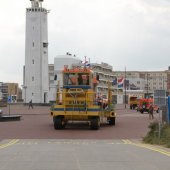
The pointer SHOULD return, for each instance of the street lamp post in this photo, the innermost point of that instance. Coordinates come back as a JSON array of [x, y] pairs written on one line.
[[147, 85], [164, 80], [148, 78], [24, 87], [125, 87]]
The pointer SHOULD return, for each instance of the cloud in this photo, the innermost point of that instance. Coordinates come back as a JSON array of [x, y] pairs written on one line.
[[131, 33]]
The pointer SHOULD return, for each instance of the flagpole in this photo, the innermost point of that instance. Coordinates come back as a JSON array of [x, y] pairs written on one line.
[[125, 87]]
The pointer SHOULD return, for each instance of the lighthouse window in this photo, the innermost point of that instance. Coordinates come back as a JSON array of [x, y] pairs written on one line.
[[32, 78], [45, 44], [33, 61]]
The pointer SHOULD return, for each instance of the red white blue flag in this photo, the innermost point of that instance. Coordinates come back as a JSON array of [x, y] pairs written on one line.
[[86, 63], [120, 82], [114, 82]]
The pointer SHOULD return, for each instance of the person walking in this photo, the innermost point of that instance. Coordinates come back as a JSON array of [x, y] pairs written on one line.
[[151, 112], [30, 104]]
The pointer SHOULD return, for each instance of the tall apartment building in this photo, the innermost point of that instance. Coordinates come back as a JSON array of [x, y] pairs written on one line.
[[139, 82], [147, 80], [9, 92], [3, 94], [105, 72]]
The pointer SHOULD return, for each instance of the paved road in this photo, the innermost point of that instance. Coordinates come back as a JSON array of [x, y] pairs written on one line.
[[55, 154], [38, 124], [33, 144]]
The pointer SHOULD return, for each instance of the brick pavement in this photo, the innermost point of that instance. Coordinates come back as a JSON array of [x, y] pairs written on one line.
[[37, 124]]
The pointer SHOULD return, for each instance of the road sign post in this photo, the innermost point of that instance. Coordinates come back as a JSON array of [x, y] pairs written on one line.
[[168, 114]]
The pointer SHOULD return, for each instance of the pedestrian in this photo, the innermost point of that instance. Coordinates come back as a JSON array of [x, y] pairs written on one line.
[[30, 104], [151, 112]]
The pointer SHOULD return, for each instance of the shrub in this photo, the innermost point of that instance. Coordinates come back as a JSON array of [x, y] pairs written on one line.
[[152, 136]]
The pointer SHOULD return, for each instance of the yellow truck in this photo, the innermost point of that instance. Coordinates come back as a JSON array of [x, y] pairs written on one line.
[[133, 102], [78, 102]]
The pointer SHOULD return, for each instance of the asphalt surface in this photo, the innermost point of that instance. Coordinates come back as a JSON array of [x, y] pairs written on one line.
[[55, 154], [33, 144]]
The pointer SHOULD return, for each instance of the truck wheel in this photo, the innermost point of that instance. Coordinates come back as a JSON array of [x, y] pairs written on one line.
[[95, 123], [58, 123], [112, 121]]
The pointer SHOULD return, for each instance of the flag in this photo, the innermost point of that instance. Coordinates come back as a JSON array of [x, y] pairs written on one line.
[[114, 82], [86, 63], [120, 82]]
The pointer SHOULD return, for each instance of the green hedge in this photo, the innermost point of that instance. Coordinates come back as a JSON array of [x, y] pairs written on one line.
[[152, 136]]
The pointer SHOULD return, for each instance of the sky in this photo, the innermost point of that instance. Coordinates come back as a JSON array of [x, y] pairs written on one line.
[[131, 34]]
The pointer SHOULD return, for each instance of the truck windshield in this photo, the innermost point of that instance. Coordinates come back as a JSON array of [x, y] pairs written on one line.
[[76, 79], [83, 79], [69, 79]]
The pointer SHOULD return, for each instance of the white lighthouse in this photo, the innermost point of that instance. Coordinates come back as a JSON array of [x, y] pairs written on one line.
[[36, 82]]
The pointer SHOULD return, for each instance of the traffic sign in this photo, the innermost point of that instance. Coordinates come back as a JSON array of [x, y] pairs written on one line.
[[9, 99], [160, 97]]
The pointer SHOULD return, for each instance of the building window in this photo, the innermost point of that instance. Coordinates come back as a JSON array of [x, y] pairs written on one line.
[[33, 44], [32, 78], [45, 44], [33, 61]]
